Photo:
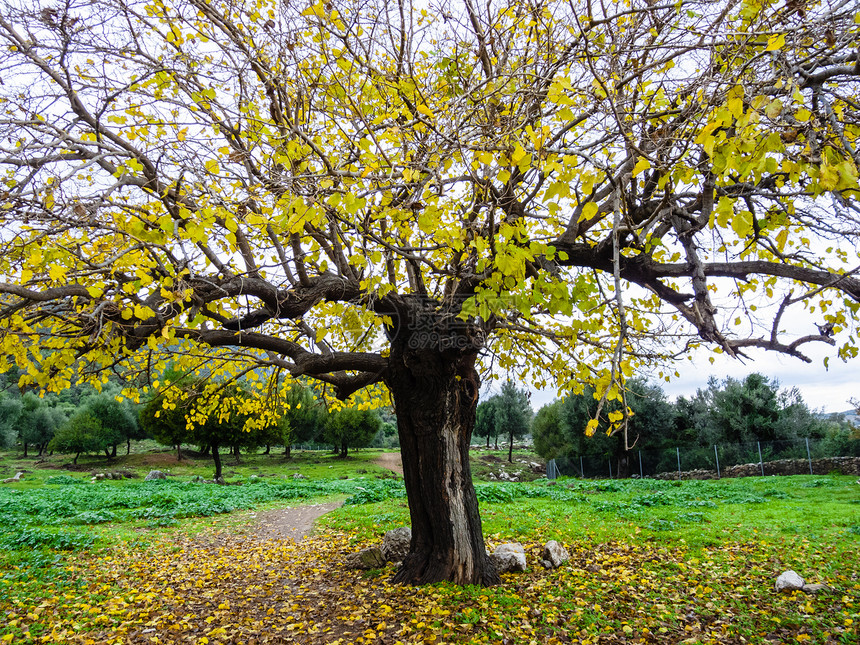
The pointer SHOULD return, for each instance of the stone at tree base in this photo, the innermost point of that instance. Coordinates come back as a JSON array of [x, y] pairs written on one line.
[[789, 581], [555, 554], [371, 558], [396, 543], [155, 474], [509, 557]]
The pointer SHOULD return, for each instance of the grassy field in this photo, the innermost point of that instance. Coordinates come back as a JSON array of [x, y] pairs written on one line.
[[651, 561]]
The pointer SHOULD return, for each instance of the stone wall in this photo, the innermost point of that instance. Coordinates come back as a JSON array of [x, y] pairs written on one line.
[[825, 466]]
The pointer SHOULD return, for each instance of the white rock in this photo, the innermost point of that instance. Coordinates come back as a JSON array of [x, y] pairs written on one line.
[[555, 553], [154, 474], [789, 581], [509, 557]]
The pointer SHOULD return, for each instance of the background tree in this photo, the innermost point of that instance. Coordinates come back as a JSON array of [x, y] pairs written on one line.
[[485, 420], [82, 433], [549, 438], [305, 415], [118, 421], [513, 414], [10, 412], [562, 430], [563, 191], [165, 422], [38, 424], [351, 428]]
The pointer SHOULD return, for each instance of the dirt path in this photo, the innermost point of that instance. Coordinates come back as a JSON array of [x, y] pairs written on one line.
[[292, 522], [391, 461]]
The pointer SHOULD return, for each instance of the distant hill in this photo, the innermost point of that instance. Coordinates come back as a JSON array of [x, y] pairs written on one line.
[[850, 415]]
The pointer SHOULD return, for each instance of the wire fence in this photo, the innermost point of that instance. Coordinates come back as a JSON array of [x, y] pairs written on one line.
[[723, 460]]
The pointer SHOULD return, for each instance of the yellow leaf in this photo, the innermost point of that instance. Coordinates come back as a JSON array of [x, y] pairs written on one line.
[[777, 41], [426, 111], [588, 211], [641, 165], [57, 272]]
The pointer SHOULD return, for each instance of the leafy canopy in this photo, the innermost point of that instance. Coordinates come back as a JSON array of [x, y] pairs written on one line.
[[275, 190]]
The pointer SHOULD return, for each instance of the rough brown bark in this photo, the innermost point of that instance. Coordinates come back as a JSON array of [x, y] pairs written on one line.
[[435, 394]]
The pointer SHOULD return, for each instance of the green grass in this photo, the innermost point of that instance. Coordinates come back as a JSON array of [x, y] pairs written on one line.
[[147, 455], [697, 513], [646, 553]]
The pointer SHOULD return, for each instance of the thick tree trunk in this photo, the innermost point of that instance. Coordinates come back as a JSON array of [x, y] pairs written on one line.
[[113, 452], [344, 450], [511, 448], [435, 393], [25, 448], [268, 449], [287, 451], [178, 452], [128, 446]]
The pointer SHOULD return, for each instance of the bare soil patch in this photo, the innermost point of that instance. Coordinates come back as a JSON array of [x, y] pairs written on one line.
[[392, 461], [292, 522]]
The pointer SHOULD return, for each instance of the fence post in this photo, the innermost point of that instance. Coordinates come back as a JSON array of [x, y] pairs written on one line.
[[641, 476], [760, 460], [809, 456], [678, 454], [717, 456], [581, 468]]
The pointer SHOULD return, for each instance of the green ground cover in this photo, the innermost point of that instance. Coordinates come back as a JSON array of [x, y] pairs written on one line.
[[652, 561]]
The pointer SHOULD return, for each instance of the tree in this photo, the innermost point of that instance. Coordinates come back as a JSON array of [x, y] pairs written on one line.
[[485, 420], [117, 420], [549, 439], [38, 421], [304, 413], [391, 200], [10, 412], [165, 421], [39, 425], [513, 414], [351, 428], [561, 429], [82, 433], [207, 412]]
